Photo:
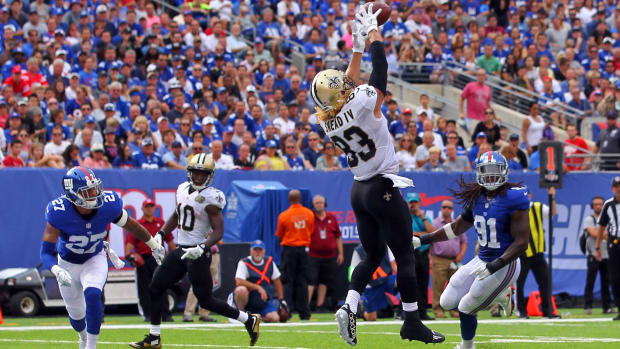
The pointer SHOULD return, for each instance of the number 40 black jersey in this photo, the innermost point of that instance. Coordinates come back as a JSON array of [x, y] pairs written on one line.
[[194, 225], [364, 139]]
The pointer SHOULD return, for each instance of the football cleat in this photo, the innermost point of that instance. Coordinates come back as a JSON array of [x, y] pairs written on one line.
[[505, 301], [149, 341], [252, 326], [414, 330], [347, 324]]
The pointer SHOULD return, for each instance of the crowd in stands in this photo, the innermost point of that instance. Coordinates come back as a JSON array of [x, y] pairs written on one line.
[[131, 84]]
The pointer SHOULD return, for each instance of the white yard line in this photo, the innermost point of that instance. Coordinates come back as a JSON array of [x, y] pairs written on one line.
[[310, 323]]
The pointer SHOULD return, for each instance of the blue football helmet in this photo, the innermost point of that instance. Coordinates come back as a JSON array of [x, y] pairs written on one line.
[[491, 170], [83, 188]]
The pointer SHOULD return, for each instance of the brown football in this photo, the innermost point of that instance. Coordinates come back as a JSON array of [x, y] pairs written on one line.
[[385, 11], [284, 314]]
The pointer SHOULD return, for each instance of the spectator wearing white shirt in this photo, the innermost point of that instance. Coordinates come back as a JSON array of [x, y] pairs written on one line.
[[422, 152], [427, 125], [418, 29], [283, 124], [424, 107], [235, 42], [56, 146], [222, 161], [284, 6], [406, 153]]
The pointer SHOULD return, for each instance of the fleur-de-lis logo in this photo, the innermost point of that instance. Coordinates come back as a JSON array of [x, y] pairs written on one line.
[[334, 82]]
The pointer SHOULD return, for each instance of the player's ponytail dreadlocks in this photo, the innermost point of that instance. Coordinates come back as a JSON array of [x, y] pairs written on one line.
[[468, 192]]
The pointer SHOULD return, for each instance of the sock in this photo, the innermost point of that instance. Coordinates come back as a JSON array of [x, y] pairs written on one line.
[[243, 317], [353, 298], [156, 330], [467, 344], [92, 341], [78, 325], [94, 310], [468, 328], [410, 306], [82, 334]]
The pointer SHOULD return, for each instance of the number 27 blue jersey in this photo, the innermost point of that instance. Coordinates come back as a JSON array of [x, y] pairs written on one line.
[[491, 218], [81, 236]]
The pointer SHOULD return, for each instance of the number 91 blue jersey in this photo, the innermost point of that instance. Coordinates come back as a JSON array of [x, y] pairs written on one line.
[[81, 236], [491, 218]]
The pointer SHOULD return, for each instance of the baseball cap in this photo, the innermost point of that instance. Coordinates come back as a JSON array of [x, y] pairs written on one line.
[[331, 11], [271, 144], [23, 101], [73, 75], [608, 40], [161, 119], [148, 202], [102, 8], [187, 106], [96, 147], [174, 84], [59, 31], [208, 120], [176, 144], [615, 181], [514, 136], [612, 115], [14, 116], [258, 41], [61, 52], [258, 244], [147, 141], [408, 111], [317, 58], [109, 130], [136, 130], [109, 107], [481, 134], [17, 69], [229, 129], [413, 197], [2, 101], [90, 119], [18, 50], [84, 14], [250, 88], [221, 89], [421, 111]]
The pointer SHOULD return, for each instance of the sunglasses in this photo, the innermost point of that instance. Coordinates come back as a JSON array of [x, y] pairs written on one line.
[[327, 148], [308, 129], [450, 207], [23, 135], [56, 134], [290, 147], [313, 139], [488, 112], [453, 137], [184, 124]]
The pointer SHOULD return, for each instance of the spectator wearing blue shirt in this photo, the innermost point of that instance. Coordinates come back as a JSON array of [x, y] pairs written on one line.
[[228, 147], [399, 127], [579, 103], [147, 158], [175, 157], [88, 76], [435, 57], [268, 134], [605, 54], [481, 139], [295, 161], [313, 151], [314, 47], [394, 27], [280, 80], [267, 29]]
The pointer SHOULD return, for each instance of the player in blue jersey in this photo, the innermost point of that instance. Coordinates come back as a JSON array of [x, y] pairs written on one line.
[[76, 227], [499, 211]]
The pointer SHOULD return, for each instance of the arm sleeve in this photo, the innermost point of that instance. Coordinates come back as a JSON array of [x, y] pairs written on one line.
[[378, 77], [48, 249], [355, 259]]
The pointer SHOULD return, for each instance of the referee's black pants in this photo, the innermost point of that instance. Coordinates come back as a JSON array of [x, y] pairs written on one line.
[[540, 269], [144, 275], [172, 269], [614, 270], [383, 218], [295, 270], [596, 267]]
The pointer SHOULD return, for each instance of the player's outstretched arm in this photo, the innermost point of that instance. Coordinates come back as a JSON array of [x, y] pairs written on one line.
[[136, 229], [359, 45], [48, 246], [447, 232], [216, 218]]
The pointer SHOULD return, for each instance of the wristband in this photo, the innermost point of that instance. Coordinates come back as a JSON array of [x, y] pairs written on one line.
[[152, 244], [162, 234], [449, 232], [496, 265]]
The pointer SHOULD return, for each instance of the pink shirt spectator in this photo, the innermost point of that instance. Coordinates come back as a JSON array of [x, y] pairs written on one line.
[[90, 162], [151, 20], [450, 248], [478, 98]]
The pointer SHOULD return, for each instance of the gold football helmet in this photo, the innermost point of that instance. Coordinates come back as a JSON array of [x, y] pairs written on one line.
[[330, 88], [200, 171]]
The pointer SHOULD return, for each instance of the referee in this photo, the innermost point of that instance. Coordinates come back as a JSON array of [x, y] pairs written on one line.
[[534, 257], [609, 219]]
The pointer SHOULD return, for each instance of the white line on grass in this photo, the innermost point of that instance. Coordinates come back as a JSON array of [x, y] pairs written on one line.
[[310, 324], [124, 343]]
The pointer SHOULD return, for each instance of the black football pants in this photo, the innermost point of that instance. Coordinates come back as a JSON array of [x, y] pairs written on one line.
[[295, 269], [540, 269], [144, 275], [172, 269], [383, 218]]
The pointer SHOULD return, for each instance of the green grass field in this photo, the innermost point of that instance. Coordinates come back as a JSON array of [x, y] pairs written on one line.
[[575, 330]]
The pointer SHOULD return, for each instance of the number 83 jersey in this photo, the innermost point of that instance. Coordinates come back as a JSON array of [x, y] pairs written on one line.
[[365, 139], [194, 225], [491, 218], [81, 236]]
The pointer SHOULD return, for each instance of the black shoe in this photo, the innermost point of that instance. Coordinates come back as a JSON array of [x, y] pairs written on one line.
[[167, 319], [149, 341], [347, 324], [617, 318], [414, 329], [252, 326], [553, 316]]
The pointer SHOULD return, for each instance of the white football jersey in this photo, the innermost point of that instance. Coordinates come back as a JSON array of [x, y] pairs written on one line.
[[364, 139], [194, 225]]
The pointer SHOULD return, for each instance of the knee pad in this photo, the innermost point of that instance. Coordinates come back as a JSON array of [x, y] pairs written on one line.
[[94, 310]]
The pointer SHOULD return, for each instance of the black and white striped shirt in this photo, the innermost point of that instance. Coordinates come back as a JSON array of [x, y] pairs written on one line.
[[609, 217]]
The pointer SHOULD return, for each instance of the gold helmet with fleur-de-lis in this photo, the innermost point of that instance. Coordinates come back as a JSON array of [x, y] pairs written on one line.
[[329, 89]]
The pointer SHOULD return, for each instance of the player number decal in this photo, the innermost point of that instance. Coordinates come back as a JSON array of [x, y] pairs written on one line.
[[109, 198], [186, 217], [77, 243], [58, 205], [481, 227], [362, 139]]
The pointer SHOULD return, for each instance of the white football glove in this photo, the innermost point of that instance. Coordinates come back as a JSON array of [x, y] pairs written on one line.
[[192, 252], [481, 272], [117, 262], [416, 242], [368, 19], [158, 251], [359, 38], [62, 276], [157, 238]]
